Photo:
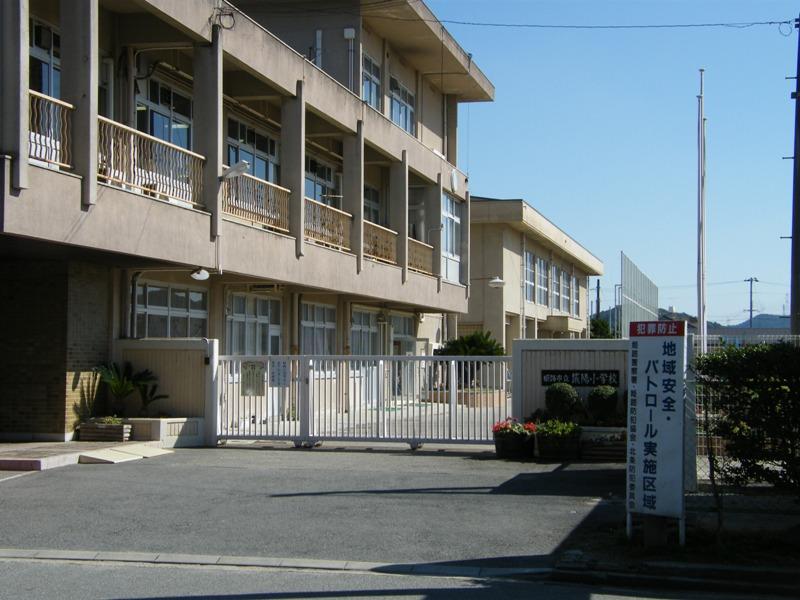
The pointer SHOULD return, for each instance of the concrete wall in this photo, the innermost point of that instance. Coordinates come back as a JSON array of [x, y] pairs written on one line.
[[531, 357]]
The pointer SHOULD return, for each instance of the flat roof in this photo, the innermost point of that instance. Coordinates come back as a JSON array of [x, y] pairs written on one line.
[[520, 215]]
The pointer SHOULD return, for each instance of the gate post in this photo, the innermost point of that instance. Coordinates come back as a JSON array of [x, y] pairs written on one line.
[[453, 397], [304, 411], [211, 412], [381, 401]]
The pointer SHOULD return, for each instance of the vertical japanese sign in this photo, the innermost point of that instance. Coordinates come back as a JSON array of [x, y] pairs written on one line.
[[656, 399]]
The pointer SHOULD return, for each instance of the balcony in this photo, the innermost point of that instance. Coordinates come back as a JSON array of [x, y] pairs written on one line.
[[380, 243], [131, 159], [327, 225], [420, 256], [258, 201], [50, 139]]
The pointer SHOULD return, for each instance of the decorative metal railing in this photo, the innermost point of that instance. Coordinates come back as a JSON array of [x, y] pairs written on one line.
[[258, 201], [380, 243], [327, 225], [420, 256], [132, 159], [50, 130]]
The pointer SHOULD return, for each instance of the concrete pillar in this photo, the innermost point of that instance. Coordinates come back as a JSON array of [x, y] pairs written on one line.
[[465, 243], [385, 98], [398, 209], [451, 146], [293, 161], [209, 132], [353, 190], [452, 326], [80, 64], [14, 105]]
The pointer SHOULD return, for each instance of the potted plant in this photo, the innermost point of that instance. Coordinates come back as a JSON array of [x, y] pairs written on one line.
[[558, 440], [513, 439]]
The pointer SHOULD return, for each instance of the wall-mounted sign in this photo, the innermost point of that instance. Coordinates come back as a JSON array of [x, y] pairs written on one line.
[[584, 377], [279, 372], [252, 378], [656, 404]]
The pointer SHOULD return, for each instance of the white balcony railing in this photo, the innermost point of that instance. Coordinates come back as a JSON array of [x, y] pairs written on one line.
[[50, 138], [380, 243], [327, 225], [420, 256], [258, 201], [132, 159]]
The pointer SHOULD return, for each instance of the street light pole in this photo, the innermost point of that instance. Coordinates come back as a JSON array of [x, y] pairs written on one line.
[[795, 263]]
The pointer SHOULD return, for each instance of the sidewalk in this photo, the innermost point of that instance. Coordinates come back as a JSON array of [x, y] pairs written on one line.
[[40, 456]]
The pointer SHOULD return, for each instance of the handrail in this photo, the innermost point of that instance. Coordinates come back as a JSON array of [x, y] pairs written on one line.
[[416, 241], [51, 99], [381, 227], [333, 208], [257, 200], [269, 183], [149, 137]]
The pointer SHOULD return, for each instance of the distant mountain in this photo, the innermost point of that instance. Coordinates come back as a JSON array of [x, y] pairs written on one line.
[[766, 321]]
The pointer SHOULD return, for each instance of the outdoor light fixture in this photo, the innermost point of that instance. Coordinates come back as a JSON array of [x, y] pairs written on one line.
[[238, 169], [199, 274], [496, 282]]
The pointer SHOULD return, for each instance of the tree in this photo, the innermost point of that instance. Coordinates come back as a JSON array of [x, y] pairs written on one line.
[[600, 329]]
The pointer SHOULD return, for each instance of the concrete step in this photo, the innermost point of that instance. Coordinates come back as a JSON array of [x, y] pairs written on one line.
[[106, 457], [141, 450]]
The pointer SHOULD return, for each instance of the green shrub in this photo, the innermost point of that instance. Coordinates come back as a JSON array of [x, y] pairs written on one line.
[[752, 396], [602, 403], [558, 429], [562, 400], [477, 343]]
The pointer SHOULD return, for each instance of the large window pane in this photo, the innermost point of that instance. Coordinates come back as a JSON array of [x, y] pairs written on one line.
[[198, 327], [156, 296], [178, 327], [156, 326]]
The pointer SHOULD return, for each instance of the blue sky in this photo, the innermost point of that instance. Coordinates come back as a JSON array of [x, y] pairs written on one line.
[[597, 129]]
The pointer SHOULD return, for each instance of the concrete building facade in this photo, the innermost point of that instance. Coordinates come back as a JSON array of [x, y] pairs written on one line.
[[121, 220], [543, 270]]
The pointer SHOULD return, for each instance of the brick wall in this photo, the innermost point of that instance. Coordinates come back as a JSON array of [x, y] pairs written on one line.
[[33, 308], [88, 322]]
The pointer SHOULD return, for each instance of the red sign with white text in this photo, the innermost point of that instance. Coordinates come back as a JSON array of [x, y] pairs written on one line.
[[657, 328]]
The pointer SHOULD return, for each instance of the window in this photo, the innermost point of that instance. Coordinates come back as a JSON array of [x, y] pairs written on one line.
[[565, 297], [364, 334], [373, 209], [403, 336], [166, 311], [253, 325], [256, 147], [317, 329], [45, 59], [165, 113], [451, 238], [542, 269], [530, 276], [402, 106], [371, 83], [320, 185], [555, 288], [576, 297]]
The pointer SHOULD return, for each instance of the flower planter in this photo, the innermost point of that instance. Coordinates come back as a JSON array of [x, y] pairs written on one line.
[[604, 450], [514, 446], [102, 432], [559, 448]]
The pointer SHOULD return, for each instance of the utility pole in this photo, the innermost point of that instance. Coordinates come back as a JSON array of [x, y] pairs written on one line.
[[701, 220], [751, 280], [795, 264]]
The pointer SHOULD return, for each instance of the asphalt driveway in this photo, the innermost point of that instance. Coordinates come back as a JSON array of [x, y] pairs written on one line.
[[429, 506]]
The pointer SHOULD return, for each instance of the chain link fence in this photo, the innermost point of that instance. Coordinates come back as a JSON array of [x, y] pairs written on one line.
[[710, 448]]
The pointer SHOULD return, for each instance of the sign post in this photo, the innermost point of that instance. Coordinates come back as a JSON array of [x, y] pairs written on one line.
[[656, 408]]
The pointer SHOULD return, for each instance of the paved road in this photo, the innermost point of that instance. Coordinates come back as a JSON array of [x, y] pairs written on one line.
[[424, 507], [86, 581]]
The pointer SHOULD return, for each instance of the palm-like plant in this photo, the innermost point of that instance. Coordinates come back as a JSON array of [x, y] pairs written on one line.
[[121, 382]]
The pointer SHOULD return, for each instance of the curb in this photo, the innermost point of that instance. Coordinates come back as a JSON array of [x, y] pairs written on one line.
[[427, 569]]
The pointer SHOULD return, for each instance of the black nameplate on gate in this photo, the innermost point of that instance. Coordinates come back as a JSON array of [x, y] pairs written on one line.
[[589, 378]]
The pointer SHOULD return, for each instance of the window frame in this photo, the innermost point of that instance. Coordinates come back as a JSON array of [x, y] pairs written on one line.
[[255, 319], [529, 272], [566, 299], [452, 232], [370, 81], [542, 291], [405, 104], [271, 157], [155, 106], [317, 327], [374, 205], [46, 56], [555, 287], [364, 332], [576, 296], [169, 311], [328, 187]]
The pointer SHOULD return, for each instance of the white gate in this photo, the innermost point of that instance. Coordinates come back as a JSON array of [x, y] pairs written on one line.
[[411, 399]]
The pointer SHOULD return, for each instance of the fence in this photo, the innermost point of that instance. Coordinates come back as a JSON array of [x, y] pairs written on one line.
[[135, 160], [420, 256], [50, 130], [403, 399], [708, 447], [328, 225], [380, 243], [257, 201]]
